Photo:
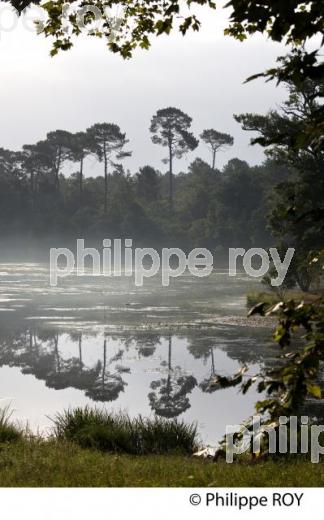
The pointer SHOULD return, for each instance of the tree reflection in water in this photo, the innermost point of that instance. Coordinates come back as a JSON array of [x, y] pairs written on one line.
[[40, 356], [206, 385], [96, 366], [169, 397], [109, 383]]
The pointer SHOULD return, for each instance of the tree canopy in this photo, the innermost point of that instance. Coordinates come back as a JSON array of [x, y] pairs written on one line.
[[216, 141], [292, 21], [170, 127]]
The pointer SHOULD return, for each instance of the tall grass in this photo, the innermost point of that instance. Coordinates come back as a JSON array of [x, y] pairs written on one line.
[[9, 432], [101, 430]]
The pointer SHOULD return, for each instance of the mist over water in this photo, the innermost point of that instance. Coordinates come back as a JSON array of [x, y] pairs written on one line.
[[102, 341]]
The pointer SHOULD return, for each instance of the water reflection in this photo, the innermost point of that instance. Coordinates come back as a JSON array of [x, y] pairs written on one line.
[[170, 394], [205, 385], [167, 370], [44, 355], [142, 350], [108, 381]]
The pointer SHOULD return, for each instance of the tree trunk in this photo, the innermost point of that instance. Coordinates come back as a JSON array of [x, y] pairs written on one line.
[[58, 168], [57, 354], [106, 179], [32, 188], [171, 176], [81, 178], [214, 159], [170, 354], [168, 385], [104, 364], [213, 361], [80, 353]]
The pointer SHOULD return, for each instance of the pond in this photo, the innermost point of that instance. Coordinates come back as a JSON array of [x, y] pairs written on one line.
[[150, 350]]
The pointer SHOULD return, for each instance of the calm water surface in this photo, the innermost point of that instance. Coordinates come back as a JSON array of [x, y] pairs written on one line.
[[104, 342]]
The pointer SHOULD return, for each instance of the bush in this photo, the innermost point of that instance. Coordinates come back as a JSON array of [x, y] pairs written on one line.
[[98, 429]]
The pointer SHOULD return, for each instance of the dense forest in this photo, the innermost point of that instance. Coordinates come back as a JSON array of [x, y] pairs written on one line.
[[202, 206], [279, 202]]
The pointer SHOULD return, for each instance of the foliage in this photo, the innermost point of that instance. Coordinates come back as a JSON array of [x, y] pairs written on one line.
[[82, 144], [295, 377], [216, 141], [109, 142], [294, 22], [170, 128], [296, 218], [124, 24], [148, 184], [290, 134], [211, 208]]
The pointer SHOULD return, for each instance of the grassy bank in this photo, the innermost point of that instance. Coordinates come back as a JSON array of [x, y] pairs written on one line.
[[92, 448], [271, 298], [37, 463]]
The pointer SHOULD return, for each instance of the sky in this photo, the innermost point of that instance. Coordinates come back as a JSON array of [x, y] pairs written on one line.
[[202, 74]]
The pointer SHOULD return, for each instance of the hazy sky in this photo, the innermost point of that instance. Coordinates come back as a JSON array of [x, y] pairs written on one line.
[[202, 74]]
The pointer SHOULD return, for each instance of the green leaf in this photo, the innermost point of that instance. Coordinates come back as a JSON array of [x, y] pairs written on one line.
[[314, 390]]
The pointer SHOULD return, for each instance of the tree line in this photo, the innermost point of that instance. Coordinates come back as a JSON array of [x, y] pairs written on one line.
[[37, 197], [170, 127], [238, 206]]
